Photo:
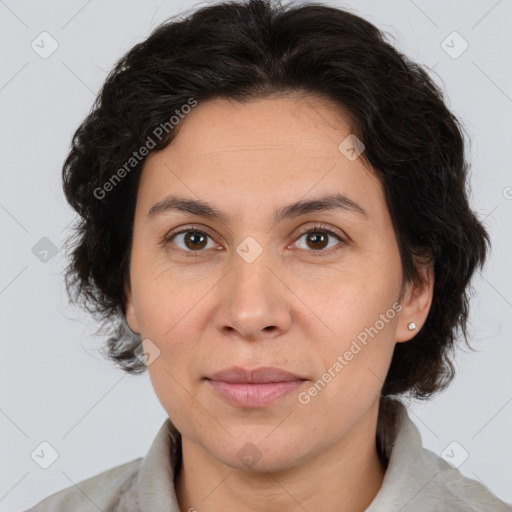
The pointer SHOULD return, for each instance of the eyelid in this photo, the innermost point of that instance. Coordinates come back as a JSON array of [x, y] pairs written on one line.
[[185, 229], [319, 226]]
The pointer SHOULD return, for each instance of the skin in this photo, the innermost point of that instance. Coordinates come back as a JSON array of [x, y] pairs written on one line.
[[292, 307]]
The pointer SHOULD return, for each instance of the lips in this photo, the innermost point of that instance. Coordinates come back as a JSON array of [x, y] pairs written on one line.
[[255, 388], [263, 375]]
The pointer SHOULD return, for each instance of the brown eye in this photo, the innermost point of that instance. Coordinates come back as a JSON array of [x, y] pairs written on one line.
[[189, 241], [317, 239], [195, 239]]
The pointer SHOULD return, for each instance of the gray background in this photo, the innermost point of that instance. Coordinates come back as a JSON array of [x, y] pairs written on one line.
[[55, 385]]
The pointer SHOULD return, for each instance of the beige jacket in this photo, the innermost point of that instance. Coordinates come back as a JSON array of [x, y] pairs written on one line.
[[416, 480]]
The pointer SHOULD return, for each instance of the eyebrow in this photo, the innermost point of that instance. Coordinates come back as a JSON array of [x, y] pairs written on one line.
[[302, 207]]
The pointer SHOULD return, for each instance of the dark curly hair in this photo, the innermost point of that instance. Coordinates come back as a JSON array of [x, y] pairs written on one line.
[[258, 49]]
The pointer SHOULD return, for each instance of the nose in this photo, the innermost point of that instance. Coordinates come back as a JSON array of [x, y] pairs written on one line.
[[254, 300]]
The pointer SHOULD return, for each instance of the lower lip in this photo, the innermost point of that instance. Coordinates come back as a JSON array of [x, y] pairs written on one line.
[[254, 395]]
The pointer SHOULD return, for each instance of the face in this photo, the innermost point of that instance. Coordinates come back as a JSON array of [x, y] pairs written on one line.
[[312, 291]]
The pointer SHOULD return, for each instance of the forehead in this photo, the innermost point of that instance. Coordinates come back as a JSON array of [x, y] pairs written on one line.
[[264, 151], [293, 123]]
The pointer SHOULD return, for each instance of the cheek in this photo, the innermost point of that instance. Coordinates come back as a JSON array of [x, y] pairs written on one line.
[[360, 311], [352, 300], [170, 389], [353, 370], [163, 300]]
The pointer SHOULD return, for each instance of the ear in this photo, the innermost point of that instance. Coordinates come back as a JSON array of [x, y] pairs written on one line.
[[415, 305], [131, 318]]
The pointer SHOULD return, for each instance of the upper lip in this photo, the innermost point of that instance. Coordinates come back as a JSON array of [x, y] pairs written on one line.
[[265, 374]]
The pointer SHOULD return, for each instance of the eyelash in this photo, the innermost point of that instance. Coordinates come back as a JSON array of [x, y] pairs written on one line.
[[318, 228]]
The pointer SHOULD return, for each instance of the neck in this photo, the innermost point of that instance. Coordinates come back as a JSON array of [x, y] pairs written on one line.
[[349, 473]]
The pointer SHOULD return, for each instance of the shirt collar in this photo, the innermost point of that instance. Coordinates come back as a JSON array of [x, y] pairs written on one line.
[[156, 477]]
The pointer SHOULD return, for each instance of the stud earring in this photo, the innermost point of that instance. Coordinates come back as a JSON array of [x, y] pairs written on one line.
[[412, 326]]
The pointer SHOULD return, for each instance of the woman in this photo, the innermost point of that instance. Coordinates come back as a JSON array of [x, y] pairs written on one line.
[[274, 220]]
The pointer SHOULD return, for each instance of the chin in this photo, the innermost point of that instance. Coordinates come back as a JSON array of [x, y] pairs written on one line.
[[261, 452]]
